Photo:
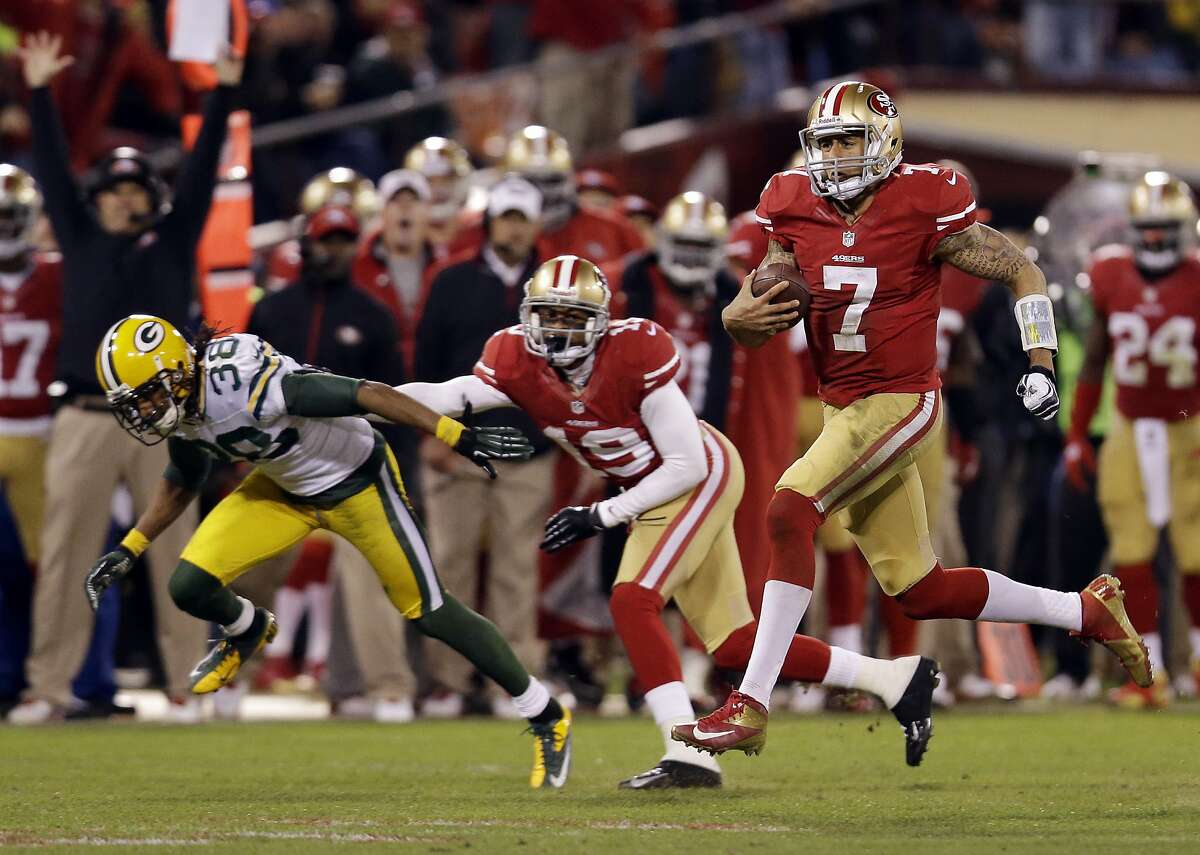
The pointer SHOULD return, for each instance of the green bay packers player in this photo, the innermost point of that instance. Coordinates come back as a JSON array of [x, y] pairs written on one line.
[[318, 464]]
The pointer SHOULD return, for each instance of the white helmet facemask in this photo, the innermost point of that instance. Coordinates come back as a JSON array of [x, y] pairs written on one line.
[[561, 345], [863, 171]]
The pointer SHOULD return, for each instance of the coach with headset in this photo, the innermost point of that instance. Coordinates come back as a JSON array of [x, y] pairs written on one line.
[[128, 246]]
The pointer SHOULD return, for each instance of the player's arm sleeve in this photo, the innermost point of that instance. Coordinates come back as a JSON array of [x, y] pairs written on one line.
[[319, 395], [451, 398], [188, 464], [676, 434]]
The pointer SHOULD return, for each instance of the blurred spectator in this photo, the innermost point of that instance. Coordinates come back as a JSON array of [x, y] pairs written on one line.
[[397, 60], [597, 189], [393, 259], [643, 214], [542, 158], [114, 49], [469, 514], [1066, 39], [128, 247], [323, 320], [589, 99]]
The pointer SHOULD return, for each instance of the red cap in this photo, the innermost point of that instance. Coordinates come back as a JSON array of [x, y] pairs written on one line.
[[403, 13], [597, 179], [637, 206], [330, 220]]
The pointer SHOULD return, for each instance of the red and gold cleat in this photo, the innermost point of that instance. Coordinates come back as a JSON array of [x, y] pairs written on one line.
[[1105, 621], [1131, 696], [740, 725], [275, 670]]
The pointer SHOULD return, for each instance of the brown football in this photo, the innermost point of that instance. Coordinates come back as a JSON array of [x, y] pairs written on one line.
[[797, 289]]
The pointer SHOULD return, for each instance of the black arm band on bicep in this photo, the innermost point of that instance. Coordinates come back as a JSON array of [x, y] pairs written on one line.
[[189, 464], [320, 395]]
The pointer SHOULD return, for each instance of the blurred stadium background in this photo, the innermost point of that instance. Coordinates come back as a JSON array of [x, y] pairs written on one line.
[[1054, 106]]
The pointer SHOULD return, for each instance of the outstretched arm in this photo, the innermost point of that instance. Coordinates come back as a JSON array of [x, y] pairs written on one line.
[[454, 396]]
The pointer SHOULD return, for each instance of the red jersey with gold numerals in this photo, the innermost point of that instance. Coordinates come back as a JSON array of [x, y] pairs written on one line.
[[872, 325], [602, 424], [30, 321], [961, 293], [1152, 338]]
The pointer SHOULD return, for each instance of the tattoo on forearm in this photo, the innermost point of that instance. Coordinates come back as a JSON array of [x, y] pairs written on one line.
[[777, 254], [983, 252]]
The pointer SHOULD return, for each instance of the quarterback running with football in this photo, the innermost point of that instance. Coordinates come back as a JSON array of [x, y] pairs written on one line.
[[606, 392], [869, 234], [318, 464]]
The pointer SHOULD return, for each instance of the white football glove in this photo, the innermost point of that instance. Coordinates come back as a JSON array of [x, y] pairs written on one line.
[[1038, 392]]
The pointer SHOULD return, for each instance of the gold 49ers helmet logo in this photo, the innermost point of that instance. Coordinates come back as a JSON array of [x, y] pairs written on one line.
[[149, 336], [880, 103]]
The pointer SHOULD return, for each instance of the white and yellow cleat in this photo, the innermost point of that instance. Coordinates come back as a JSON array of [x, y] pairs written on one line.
[[551, 752]]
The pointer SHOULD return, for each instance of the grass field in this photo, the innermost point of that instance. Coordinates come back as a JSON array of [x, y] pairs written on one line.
[[1077, 780]]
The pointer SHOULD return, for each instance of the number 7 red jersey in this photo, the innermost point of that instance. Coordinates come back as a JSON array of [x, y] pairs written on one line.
[[30, 322], [872, 325]]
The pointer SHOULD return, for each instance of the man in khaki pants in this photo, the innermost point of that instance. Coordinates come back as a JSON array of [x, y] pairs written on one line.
[[89, 455], [468, 514], [128, 246]]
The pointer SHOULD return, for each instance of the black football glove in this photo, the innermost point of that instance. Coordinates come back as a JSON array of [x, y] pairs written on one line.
[[104, 572], [1039, 393], [571, 525], [484, 444]]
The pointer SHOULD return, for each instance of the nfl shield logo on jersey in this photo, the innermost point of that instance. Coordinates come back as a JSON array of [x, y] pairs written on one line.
[[577, 407], [847, 238]]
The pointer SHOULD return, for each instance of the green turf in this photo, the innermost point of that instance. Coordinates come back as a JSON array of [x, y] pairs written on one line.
[[1081, 780]]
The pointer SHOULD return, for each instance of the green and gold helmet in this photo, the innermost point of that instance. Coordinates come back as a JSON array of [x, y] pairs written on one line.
[[148, 370], [565, 309]]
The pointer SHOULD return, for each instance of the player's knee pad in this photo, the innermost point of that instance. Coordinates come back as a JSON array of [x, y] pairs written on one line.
[[929, 598], [631, 603], [191, 587], [734, 652]]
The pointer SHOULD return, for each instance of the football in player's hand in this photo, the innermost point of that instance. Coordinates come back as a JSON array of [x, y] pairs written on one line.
[[768, 277]]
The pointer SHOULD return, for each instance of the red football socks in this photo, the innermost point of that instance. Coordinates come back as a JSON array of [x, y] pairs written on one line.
[[1141, 595], [959, 593], [846, 587], [792, 522], [807, 658], [637, 615]]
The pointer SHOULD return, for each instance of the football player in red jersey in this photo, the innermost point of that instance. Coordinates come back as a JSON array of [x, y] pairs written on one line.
[[1147, 301], [30, 311], [870, 234], [606, 392]]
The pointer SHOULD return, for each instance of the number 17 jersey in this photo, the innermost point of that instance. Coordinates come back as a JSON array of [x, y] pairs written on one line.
[[872, 324]]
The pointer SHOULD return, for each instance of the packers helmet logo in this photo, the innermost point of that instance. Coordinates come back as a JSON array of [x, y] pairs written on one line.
[[148, 336], [880, 103]]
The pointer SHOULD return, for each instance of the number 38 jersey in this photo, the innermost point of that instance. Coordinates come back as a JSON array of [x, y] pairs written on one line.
[[245, 418], [1151, 328], [872, 324], [602, 423]]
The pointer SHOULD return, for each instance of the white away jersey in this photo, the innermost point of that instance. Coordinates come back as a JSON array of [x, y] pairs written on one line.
[[245, 418]]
